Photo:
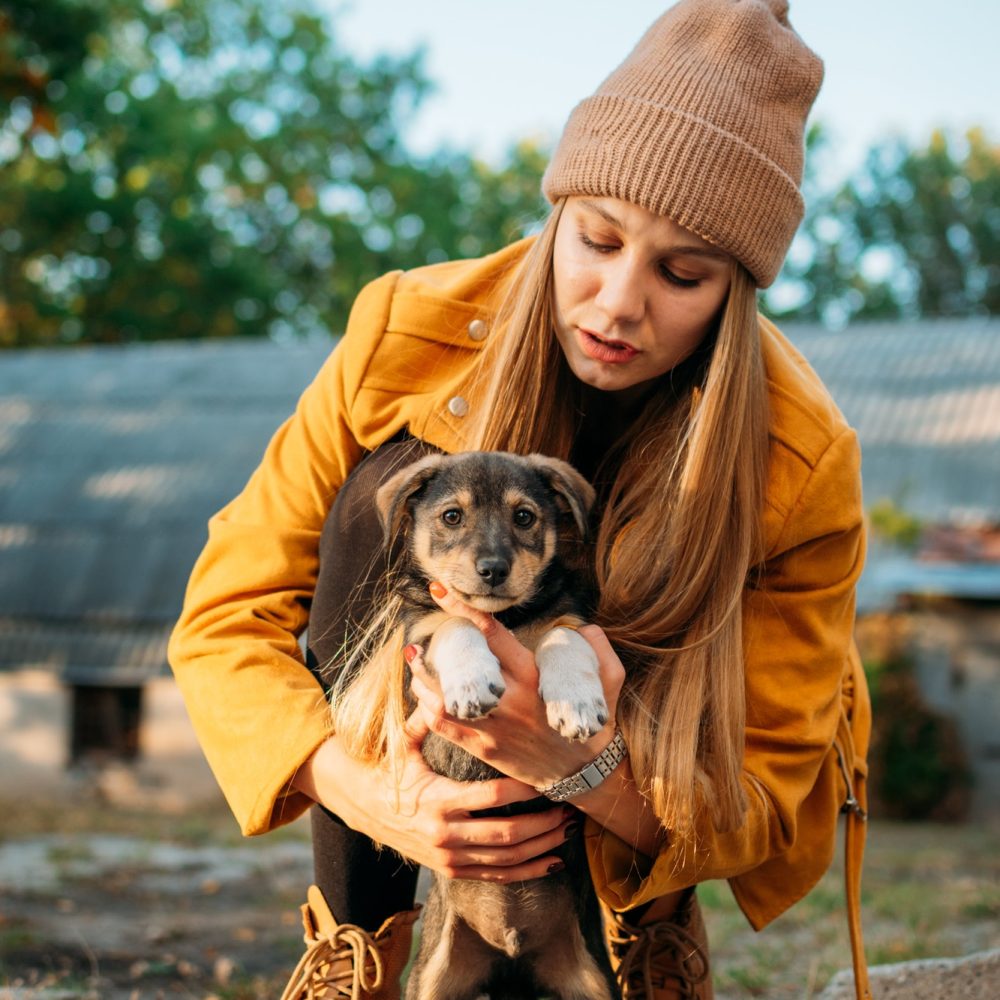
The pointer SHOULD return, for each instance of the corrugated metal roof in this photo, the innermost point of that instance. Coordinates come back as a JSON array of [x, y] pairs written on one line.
[[112, 459], [925, 399]]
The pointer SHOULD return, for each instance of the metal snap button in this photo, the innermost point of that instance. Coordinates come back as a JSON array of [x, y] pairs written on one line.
[[457, 406]]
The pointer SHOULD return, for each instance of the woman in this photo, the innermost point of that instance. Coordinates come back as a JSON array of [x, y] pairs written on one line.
[[625, 338]]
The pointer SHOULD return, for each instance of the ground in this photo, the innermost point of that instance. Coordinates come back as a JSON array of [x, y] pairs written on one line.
[[134, 884], [121, 904]]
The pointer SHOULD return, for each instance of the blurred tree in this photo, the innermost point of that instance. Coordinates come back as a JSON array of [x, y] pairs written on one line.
[[214, 168], [913, 232]]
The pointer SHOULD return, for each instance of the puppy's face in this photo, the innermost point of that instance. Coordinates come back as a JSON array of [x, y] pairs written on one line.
[[485, 524]]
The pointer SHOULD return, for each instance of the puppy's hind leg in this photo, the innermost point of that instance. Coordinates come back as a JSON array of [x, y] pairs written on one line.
[[569, 972], [455, 968], [570, 684]]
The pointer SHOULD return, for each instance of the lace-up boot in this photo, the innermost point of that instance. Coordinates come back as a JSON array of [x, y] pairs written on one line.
[[346, 962], [661, 955]]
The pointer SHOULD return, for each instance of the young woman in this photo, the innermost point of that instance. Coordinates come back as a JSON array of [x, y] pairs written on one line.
[[624, 338]]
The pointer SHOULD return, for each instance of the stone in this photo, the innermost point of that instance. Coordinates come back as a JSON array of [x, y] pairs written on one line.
[[972, 977]]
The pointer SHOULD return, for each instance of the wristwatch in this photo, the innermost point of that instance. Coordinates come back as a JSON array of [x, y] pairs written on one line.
[[590, 776]]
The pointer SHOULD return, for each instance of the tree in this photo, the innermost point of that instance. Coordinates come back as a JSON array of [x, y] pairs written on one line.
[[913, 232], [215, 168]]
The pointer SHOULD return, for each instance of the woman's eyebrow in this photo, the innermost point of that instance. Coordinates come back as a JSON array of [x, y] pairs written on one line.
[[675, 249], [602, 212], [710, 252]]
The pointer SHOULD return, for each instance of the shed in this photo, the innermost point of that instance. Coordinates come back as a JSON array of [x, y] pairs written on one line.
[[112, 459]]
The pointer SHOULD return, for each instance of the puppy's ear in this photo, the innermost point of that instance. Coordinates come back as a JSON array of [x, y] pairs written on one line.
[[575, 492], [392, 496]]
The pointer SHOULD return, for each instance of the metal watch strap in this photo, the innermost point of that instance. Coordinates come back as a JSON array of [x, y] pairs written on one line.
[[590, 776]]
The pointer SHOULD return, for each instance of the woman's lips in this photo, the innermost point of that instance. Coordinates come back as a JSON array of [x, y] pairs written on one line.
[[607, 350]]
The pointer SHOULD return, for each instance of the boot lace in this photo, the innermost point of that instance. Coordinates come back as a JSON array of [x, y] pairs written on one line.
[[337, 965], [655, 956]]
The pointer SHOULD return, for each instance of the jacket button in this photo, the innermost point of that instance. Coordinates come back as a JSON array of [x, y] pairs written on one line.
[[457, 406], [478, 330]]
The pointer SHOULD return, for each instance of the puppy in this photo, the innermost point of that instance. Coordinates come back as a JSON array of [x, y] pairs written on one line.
[[502, 532]]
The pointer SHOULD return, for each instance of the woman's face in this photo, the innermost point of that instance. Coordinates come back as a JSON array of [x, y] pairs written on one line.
[[634, 292]]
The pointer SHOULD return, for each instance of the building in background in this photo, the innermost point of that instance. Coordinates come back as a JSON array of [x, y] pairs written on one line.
[[112, 460]]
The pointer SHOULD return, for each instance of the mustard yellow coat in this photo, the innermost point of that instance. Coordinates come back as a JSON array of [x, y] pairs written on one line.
[[405, 362]]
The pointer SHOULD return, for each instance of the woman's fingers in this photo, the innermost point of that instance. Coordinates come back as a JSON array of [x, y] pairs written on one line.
[[511, 856], [514, 658], [610, 667]]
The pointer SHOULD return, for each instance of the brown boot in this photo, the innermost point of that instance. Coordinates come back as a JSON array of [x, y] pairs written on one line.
[[662, 955], [346, 961]]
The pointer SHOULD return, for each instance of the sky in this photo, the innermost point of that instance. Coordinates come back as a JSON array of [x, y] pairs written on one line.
[[506, 69]]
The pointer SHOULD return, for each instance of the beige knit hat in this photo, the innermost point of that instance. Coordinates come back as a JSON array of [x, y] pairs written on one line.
[[702, 123]]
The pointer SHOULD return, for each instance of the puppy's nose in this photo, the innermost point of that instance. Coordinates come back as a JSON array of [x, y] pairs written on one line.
[[493, 569]]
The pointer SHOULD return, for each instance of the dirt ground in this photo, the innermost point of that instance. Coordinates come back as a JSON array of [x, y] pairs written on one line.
[[134, 884]]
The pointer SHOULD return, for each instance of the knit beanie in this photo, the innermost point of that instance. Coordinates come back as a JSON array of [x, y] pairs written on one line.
[[704, 123]]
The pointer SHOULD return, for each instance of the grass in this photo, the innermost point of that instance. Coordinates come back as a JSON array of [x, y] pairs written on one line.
[[928, 891]]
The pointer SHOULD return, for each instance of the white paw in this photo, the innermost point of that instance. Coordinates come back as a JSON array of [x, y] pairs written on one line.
[[473, 689], [570, 685], [577, 719]]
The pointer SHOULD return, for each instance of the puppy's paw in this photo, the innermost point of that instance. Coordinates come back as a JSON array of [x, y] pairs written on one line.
[[570, 684], [577, 720], [473, 689]]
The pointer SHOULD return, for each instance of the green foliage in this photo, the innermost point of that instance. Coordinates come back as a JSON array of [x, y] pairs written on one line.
[[893, 524], [215, 168], [914, 232], [919, 770]]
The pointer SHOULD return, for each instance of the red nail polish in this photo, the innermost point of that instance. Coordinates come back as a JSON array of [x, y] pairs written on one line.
[[556, 866], [438, 589], [409, 653]]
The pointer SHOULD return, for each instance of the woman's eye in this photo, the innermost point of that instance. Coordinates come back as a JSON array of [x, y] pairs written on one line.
[[593, 245], [452, 517], [676, 279], [524, 518]]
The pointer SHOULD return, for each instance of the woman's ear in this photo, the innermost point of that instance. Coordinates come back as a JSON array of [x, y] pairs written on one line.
[[574, 492], [392, 496]]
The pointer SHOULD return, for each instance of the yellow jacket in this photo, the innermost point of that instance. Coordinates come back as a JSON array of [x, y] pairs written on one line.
[[405, 361]]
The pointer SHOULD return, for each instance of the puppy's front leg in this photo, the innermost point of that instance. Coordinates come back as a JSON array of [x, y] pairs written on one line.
[[570, 684], [469, 673]]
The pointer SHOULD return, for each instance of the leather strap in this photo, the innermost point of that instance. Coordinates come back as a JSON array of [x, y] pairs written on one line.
[[855, 807], [854, 852]]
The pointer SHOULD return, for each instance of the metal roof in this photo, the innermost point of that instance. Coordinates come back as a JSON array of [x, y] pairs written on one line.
[[925, 399], [112, 459]]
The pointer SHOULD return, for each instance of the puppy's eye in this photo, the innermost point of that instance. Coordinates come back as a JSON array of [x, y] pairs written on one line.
[[523, 517], [452, 517]]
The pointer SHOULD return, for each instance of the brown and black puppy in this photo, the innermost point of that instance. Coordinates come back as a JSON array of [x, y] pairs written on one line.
[[503, 533]]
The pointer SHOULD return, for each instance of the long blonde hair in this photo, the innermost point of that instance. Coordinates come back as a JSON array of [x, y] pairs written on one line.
[[678, 536]]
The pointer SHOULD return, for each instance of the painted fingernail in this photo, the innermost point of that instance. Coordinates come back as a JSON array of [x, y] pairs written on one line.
[[438, 589], [572, 830], [556, 866], [409, 653]]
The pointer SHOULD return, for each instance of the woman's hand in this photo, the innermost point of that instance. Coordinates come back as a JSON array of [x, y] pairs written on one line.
[[426, 817], [516, 737]]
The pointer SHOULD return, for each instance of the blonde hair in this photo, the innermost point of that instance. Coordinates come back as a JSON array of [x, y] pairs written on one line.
[[678, 536], [677, 539]]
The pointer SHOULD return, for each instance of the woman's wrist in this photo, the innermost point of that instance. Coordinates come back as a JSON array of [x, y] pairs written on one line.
[[619, 806], [592, 774]]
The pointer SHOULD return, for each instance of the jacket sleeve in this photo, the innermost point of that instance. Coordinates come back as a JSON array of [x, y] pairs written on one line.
[[257, 711], [798, 633]]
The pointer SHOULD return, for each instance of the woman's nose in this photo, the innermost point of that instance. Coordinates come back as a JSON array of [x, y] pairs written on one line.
[[621, 297]]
